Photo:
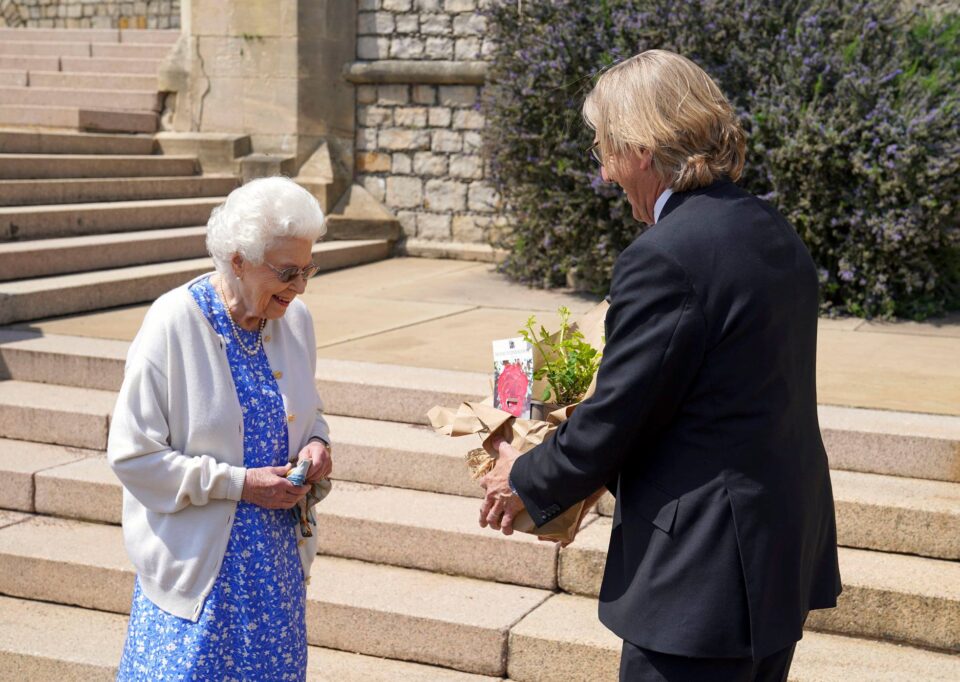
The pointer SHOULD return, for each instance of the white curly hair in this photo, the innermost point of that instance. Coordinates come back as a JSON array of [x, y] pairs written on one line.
[[255, 215]]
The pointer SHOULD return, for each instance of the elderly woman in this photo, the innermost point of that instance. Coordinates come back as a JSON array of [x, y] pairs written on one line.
[[704, 419], [218, 399]]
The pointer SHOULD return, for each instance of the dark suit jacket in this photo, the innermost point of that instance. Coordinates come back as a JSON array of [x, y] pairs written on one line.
[[704, 425]]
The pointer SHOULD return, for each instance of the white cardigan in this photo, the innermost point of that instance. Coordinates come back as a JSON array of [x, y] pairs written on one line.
[[176, 442]]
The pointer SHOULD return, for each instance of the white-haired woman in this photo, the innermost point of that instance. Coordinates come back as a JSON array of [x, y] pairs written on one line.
[[218, 398]]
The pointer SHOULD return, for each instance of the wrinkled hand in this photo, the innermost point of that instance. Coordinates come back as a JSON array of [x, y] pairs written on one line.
[[501, 505], [267, 487], [321, 462]]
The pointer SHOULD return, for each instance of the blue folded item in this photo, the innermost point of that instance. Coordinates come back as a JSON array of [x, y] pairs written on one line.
[[302, 513]]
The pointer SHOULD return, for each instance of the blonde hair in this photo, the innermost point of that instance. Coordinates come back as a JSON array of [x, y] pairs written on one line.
[[663, 102]]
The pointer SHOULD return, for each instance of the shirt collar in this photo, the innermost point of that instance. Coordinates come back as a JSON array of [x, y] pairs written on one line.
[[661, 202]]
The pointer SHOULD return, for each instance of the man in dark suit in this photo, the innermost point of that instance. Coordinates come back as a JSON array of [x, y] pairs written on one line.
[[704, 420]]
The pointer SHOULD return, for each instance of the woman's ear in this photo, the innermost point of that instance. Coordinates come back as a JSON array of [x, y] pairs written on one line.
[[237, 263]]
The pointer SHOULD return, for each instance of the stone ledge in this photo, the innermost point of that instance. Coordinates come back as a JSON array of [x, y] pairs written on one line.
[[423, 248], [411, 71]]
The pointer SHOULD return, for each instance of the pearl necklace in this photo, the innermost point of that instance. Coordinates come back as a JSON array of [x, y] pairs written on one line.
[[236, 332]]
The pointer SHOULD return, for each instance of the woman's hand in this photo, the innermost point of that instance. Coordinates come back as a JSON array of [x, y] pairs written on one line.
[[321, 462], [268, 487]]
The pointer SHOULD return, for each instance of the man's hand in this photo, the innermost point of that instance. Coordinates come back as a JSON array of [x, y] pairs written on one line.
[[321, 463], [269, 488], [501, 505]]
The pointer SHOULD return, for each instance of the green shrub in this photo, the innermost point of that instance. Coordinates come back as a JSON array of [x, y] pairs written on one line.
[[853, 116]]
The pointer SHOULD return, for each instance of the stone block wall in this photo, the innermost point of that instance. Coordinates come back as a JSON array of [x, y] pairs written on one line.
[[419, 142], [90, 13], [422, 29], [418, 153]]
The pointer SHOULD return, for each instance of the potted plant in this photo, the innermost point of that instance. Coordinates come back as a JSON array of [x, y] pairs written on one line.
[[568, 363]]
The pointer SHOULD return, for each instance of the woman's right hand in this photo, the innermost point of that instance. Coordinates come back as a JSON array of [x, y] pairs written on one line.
[[269, 488]]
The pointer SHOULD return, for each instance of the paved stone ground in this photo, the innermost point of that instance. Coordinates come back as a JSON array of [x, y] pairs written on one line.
[[444, 313]]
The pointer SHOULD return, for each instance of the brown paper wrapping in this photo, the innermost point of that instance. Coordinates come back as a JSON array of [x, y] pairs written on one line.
[[524, 434]]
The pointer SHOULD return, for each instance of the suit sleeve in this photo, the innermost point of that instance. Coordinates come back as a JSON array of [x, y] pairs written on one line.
[[655, 344]]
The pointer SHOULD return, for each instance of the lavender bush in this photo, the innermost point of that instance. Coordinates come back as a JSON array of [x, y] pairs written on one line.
[[853, 115]]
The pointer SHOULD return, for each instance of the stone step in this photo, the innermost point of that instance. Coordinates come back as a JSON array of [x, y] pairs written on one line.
[[88, 644], [47, 257], [888, 442], [28, 48], [378, 524], [64, 294], [59, 35], [62, 142], [367, 391], [98, 81], [22, 461], [896, 597], [13, 77], [368, 452], [61, 166], [84, 190], [894, 514], [889, 596], [29, 62], [119, 100], [107, 65], [399, 461], [84, 362], [395, 393], [142, 36], [351, 605], [889, 513], [339, 227], [398, 455], [96, 120], [893, 443], [20, 223], [562, 641], [127, 50], [63, 415]]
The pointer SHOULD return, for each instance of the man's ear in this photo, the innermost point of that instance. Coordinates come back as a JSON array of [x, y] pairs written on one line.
[[641, 158]]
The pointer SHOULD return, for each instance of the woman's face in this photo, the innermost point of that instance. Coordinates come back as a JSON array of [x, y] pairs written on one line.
[[259, 286]]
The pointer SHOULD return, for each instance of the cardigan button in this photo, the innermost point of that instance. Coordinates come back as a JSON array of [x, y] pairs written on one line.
[[278, 374], [266, 339], [291, 417]]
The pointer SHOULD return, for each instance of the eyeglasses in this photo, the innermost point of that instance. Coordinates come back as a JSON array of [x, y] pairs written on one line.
[[287, 274], [594, 151]]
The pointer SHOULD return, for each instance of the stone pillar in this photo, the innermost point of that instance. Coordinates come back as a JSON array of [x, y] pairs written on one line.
[[270, 69]]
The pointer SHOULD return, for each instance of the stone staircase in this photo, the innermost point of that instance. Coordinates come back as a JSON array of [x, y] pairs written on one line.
[[85, 79], [90, 221], [406, 574]]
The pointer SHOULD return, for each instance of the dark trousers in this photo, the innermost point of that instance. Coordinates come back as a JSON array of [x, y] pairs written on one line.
[[644, 665]]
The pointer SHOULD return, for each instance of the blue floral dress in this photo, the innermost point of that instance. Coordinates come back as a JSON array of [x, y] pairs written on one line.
[[252, 624]]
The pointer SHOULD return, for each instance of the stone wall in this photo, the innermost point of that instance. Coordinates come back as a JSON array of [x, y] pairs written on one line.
[[421, 29], [90, 13], [419, 141]]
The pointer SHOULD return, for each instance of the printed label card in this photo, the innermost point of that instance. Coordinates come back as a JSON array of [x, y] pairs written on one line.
[[513, 376]]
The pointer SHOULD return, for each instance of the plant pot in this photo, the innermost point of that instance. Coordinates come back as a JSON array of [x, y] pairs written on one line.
[[539, 409]]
